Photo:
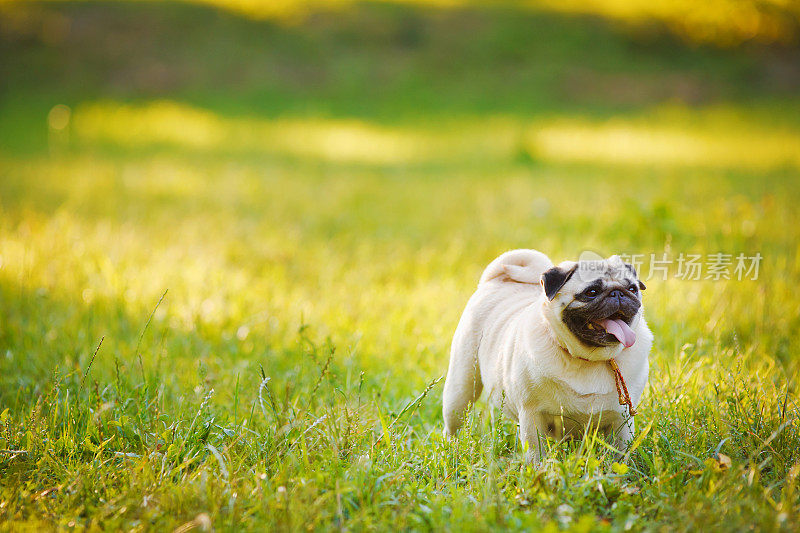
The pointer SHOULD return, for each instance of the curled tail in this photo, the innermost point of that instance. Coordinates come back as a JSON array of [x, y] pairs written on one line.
[[520, 266]]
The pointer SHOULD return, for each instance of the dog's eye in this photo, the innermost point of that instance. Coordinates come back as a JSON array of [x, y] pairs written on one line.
[[591, 292], [633, 288]]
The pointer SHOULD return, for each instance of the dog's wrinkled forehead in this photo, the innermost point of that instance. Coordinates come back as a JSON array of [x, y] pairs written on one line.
[[609, 270]]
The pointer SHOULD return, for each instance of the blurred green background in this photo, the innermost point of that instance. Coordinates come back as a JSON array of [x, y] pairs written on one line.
[[354, 165], [297, 172]]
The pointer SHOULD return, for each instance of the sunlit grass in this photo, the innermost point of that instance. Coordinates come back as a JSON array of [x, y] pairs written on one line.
[[723, 137], [276, 288], [276, 244], [381, 262], [722, 22]]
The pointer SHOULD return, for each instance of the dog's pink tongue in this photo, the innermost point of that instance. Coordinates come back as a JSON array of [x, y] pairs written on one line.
[[620, 330]]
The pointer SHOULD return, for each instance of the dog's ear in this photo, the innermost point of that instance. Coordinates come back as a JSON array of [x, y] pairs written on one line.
[[555, 278], [633, 271]]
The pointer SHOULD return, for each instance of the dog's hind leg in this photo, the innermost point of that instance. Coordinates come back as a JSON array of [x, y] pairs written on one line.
[[463, 384]]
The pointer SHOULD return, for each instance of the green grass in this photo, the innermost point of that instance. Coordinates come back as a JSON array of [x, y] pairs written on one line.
[[273, 228]]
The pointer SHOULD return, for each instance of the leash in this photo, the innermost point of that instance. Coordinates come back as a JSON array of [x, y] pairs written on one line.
[[622, 389], [623, 395]]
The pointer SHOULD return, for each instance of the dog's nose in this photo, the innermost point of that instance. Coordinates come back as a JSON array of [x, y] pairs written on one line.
[[616, 293]]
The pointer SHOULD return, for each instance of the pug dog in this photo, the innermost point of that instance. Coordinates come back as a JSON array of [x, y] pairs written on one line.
[[551, 344]]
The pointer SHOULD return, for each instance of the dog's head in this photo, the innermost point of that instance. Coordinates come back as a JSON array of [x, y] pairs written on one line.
[[593, 306]]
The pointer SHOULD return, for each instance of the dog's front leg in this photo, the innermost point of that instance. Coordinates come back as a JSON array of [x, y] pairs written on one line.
[[623, 435], [533, 434]]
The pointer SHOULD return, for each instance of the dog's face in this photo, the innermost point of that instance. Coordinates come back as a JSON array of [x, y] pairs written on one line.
[[596, 302]]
